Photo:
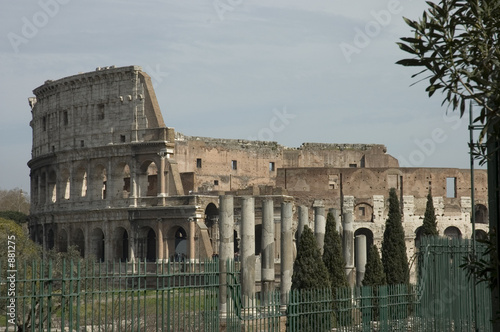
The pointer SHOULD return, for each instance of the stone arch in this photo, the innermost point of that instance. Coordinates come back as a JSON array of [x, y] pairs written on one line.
[[480, 214], [362, 180], [78, 240], [62, 240], [453, 232], [148, 178], [363, 212], [121, 244], [50, 239], [99, 182], [481, 235], [65, 184], [52, 186], [366, 232], [147, 244], [369, 242], [97, 241]]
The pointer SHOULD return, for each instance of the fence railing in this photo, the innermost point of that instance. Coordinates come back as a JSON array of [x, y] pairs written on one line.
[[184, 296]]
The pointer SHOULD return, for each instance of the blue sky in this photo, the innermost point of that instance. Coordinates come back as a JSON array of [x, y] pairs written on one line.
[[288, 71]]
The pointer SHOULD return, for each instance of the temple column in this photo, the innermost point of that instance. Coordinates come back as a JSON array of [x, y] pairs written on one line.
[[226, 251], [286, 253], [247, 249]]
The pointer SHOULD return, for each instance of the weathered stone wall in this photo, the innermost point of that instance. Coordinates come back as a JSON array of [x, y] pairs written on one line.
[[212, 160]]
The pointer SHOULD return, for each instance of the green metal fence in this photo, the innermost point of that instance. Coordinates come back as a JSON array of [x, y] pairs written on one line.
[[113, 297], [183, 296], [448, 299]]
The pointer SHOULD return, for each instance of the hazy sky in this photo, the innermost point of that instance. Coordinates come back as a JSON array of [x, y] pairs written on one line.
[[288, 71]]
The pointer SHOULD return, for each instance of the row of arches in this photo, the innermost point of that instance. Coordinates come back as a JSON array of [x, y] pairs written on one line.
[[94, 182], [364, 212], [120, 245]]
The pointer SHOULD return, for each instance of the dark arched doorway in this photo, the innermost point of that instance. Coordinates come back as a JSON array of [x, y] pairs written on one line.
[[181, 245], [453, 233], [121, 244], [97, 242], [212, 223], [50, 239], [151, 246]]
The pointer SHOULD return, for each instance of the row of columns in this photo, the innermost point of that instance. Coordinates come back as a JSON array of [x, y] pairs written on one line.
[[247, 255]]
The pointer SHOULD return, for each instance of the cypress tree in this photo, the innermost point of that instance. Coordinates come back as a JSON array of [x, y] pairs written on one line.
[[309, 277], [393, 246], [374, 270], [332, 255], [429, 226], [309, 271]]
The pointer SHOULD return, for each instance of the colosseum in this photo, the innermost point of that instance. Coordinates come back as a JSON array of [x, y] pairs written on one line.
[[109, 177]]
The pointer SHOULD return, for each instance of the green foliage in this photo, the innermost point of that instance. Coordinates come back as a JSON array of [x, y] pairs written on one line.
[[14, 200], [334, 260], [332, 254], [393, 246], [486, 268], [309, 271], [18, 217], [309, 275], [455, 44], [374, 270], [25, 249], [429, 226]]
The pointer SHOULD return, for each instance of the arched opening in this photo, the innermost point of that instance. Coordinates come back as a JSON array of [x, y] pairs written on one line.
[[212, 222], [126, 181], [97, 243], [50, 239], [62, 240], [363, 212], [481, 235], [418, 236], [452, 232], [121, 244], [99, 182], [147, 244], [52, 183], [66, 184], [366, 232], [78, 239], [151, 246], [181, 245], [481, 214], [80, 182], [148, 179], [43, 188]]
